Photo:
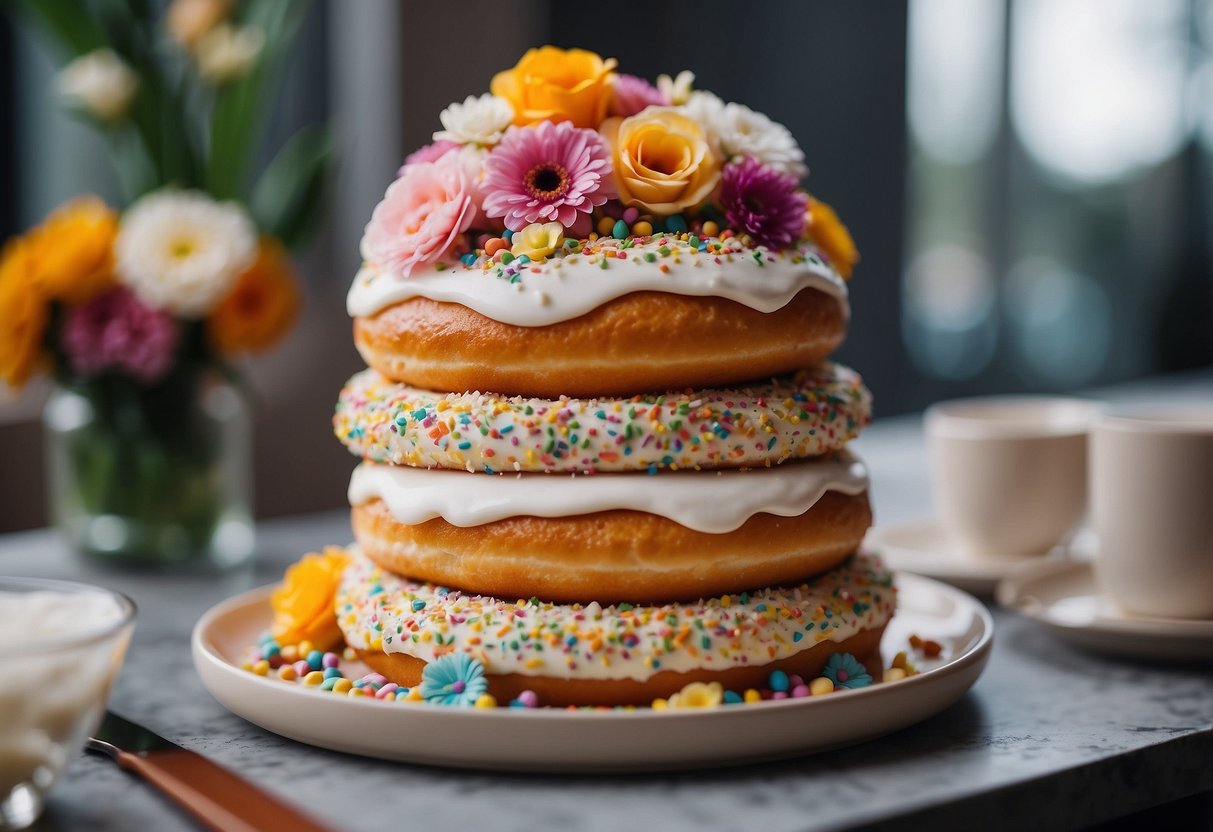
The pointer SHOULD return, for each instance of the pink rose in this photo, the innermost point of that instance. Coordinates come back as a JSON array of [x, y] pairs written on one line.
[[419, 221]]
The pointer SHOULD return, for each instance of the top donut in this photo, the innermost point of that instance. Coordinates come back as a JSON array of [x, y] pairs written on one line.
[[581, 231]]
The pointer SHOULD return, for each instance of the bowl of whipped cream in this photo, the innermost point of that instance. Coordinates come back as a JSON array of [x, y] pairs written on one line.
[[61, 645]]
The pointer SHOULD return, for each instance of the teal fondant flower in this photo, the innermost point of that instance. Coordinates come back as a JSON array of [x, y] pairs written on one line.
[[453, 679], [846, 671]]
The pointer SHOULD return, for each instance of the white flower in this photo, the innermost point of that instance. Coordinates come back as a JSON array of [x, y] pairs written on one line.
[[677, 89], [480, 120], [740, 131], [228, 52], [101, 83], [182, 251]]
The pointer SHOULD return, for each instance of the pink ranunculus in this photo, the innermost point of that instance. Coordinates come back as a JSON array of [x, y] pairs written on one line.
[[117, 331], [421, 217], [630, 95], [428, 153]]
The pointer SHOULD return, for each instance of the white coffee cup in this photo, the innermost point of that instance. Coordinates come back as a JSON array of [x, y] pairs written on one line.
[[1152, 509], [1009, 474]]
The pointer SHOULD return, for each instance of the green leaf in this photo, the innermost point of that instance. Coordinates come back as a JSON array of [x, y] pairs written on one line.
[[288, 199], [241, 106], [70, 22]]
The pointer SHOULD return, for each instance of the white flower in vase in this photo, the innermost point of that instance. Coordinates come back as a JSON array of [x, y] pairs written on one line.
[[100, 83], [182, 250]]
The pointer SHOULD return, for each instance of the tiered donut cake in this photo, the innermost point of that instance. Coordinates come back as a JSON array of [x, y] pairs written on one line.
[[657, 490]]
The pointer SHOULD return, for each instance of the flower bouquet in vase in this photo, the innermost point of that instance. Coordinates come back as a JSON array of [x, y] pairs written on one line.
[[136, 312]]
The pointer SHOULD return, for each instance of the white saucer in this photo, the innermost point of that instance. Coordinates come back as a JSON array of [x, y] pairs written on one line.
[[925, 548], [584, 741], [1065, 597]]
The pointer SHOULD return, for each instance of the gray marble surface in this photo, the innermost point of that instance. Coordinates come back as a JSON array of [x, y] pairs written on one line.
[[1050, 737]]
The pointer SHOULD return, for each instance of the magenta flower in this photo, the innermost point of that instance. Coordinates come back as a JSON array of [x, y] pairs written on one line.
[[632, 94], [117, 331], [428, 153], [764, 203], [546, 172]]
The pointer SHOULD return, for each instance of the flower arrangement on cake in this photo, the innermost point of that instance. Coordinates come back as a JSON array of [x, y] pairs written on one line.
[[136, 312]]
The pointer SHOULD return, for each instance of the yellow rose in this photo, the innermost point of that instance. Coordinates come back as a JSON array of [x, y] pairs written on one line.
[[23, 314], [537, 240], [261, 306], [304, 603], [824, 230], [663, 161], [554, 84], [75, 251]]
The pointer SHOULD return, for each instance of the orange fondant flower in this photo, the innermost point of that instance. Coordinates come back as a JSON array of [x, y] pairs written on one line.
[[555, 84], [23, 314], [262, 305], [826, 231], [663, 160], [304, 603], [74, 251]]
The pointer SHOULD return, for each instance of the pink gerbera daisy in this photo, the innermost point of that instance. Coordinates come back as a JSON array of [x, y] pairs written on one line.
[[546, 172]]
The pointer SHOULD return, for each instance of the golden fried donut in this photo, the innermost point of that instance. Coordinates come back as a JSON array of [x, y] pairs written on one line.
[[614, 555], [647, 341], [594, 654], [806, 414]]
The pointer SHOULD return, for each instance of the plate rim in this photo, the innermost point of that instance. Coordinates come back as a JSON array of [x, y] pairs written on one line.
[[978, 653]]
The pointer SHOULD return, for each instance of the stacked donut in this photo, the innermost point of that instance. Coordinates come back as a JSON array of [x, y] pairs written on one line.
[[657, 490]]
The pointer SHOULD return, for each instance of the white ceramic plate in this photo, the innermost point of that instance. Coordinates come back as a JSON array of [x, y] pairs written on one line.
[[566, 741], [924, 548], [1066, 598]]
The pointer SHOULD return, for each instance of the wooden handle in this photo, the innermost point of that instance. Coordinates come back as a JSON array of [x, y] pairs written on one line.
[[217, 798]]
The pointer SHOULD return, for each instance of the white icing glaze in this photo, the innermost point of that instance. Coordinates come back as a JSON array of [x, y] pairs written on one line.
[[565, 287], [377, 610], [714, 502]]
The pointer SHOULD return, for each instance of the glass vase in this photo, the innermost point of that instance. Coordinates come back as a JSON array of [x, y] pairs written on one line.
[[152, 476]]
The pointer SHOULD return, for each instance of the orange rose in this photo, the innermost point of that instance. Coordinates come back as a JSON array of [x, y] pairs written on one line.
[[663, 161], [826, 231], [304, 603], [75, 251], [23, 314], [557, 85], [262, 305]]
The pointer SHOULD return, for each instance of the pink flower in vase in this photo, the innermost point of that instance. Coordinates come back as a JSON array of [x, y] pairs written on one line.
[[117, 331], [546, 172], [421, 217]]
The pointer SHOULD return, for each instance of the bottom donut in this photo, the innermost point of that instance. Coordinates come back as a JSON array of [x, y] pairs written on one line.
[[623, 654]]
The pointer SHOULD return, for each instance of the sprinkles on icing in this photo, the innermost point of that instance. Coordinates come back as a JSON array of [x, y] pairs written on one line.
[[803, 415]]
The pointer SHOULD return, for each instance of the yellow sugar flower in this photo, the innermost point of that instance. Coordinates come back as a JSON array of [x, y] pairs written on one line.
[[664, 162], [825, 230], [75, 251], [537, 240], [304, 603], [698, 695], [552, 84], [23, 314]]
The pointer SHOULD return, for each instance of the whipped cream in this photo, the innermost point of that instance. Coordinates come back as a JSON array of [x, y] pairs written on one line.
[[714, 502], [565, 287]]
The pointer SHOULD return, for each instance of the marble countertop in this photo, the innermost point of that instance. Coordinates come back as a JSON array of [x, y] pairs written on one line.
[[1050, 736]]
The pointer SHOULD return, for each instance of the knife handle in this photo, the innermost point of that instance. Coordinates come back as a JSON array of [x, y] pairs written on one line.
[[213, 795]]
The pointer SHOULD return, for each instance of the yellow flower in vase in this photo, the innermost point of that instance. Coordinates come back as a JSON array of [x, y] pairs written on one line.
[[75, 251], [304, 603], [552, 84], [23, 314], [262, 305]]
